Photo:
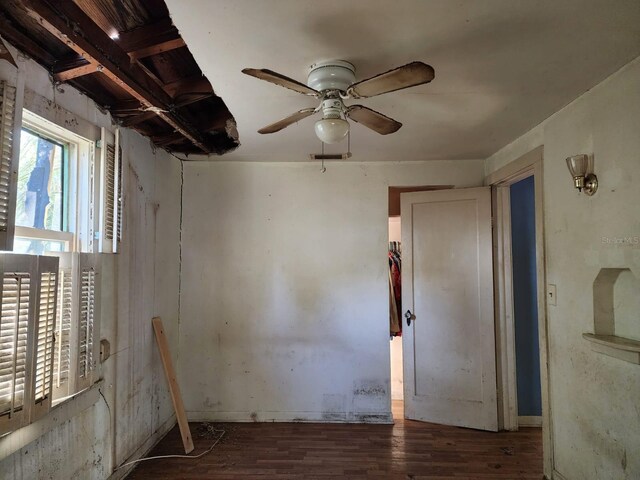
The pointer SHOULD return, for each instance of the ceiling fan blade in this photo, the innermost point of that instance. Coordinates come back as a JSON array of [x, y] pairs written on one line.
[[279, 79], [409, 75], [374, 120], [285, 122]]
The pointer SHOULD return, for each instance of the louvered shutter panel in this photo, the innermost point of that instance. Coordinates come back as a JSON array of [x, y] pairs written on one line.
[[111, 155], [16, 338], [63, 371], [119, 182], [88, 327], [45, 328], [7, 187], [110, 191]]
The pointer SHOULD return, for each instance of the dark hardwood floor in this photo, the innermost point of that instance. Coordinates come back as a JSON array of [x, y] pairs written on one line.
[[406, 450]]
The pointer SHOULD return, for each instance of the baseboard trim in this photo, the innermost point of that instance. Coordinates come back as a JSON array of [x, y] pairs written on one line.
[[529, 421], [292, 417], [144, 449]]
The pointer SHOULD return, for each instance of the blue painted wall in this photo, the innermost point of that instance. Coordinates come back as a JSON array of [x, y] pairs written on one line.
[[523, 238]]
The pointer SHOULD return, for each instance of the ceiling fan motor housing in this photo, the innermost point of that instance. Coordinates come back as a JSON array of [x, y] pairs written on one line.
[[331, 75]]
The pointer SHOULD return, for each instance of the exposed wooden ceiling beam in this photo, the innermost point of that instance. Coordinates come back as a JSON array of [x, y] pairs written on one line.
[[16, 37], [75, 72], [67, 22], [126, 107], [157, 49], [188, 99], [136, 119], [196, 84], [74, 67], [148, 35], [213, 125], [168, 139]]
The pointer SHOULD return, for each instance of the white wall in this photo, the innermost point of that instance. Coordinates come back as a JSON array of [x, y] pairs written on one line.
[[140, 282], [397, 388], [595, 404], [284, 305]]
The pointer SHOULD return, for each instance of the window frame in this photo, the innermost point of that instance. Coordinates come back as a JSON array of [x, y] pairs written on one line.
[[83, 225], [79, 184]]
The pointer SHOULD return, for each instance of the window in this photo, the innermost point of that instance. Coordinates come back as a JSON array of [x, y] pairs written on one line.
[[55, 179], [64, 205]]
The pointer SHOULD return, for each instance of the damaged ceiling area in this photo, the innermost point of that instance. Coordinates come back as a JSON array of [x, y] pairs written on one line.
[[131, 60]]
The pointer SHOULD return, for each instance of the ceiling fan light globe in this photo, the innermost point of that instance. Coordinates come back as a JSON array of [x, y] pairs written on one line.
[[332, 130]]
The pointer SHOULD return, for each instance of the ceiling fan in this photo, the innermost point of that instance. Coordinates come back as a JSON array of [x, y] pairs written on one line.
[[333, 82]]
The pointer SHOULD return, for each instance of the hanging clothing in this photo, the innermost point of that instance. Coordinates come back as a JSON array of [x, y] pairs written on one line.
[[395, 290], [395, 322]]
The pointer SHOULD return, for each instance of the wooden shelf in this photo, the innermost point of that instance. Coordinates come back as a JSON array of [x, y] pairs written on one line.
[[619, 347]]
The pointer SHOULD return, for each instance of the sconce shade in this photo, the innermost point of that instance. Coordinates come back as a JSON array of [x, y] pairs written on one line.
[[578, 165], [582, 173]]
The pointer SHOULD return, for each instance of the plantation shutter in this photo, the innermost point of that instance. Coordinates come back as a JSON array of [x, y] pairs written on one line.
[[16, 343], [7, 187], [88, 328], [111, 155], [119, 182], [65, 315], [45, 328]]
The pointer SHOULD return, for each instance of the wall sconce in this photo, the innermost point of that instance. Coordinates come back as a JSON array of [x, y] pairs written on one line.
[[581, 171]]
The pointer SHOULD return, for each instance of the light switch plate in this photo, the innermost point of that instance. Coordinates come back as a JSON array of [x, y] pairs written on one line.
[[552, 294]]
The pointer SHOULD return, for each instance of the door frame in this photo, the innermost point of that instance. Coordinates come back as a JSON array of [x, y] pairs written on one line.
[[529, 164]]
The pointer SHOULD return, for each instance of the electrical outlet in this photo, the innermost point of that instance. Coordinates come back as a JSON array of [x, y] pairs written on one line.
[[552, 294], [105, 350]]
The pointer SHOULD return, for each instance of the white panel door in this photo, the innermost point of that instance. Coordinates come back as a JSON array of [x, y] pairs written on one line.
[[447, 285]]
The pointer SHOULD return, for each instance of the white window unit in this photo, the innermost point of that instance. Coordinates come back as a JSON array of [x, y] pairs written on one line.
[[54, 206], [69, 191], [60, 195]]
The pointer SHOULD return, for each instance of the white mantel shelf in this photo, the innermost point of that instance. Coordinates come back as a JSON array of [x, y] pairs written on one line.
[[618, 347]]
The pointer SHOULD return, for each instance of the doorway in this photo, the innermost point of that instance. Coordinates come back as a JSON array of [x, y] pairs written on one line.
[[395, 340], [520, 299], [525, 308]]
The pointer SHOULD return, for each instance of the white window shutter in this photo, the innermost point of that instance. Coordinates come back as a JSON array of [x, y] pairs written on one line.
[[45, 337], [111, 191], [18, 291], [89, 316], [66, 317], [119, 182], [8, 138]]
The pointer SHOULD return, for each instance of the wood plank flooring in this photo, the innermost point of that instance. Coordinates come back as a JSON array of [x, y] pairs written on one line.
[[406, 450]]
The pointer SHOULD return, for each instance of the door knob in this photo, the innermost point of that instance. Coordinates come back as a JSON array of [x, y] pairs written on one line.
[[409, 316]]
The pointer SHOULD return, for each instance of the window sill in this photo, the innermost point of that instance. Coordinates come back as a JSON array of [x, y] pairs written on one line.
[[619, 347], [60, 413]]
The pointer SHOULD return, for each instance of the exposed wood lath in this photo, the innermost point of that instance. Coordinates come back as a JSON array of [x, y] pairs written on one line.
[[128, 57]]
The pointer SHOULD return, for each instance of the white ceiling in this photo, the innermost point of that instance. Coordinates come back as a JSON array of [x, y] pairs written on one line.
[[502, 66]]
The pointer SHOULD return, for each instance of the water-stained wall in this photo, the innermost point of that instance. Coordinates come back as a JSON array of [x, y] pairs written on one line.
[[284, 305]]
